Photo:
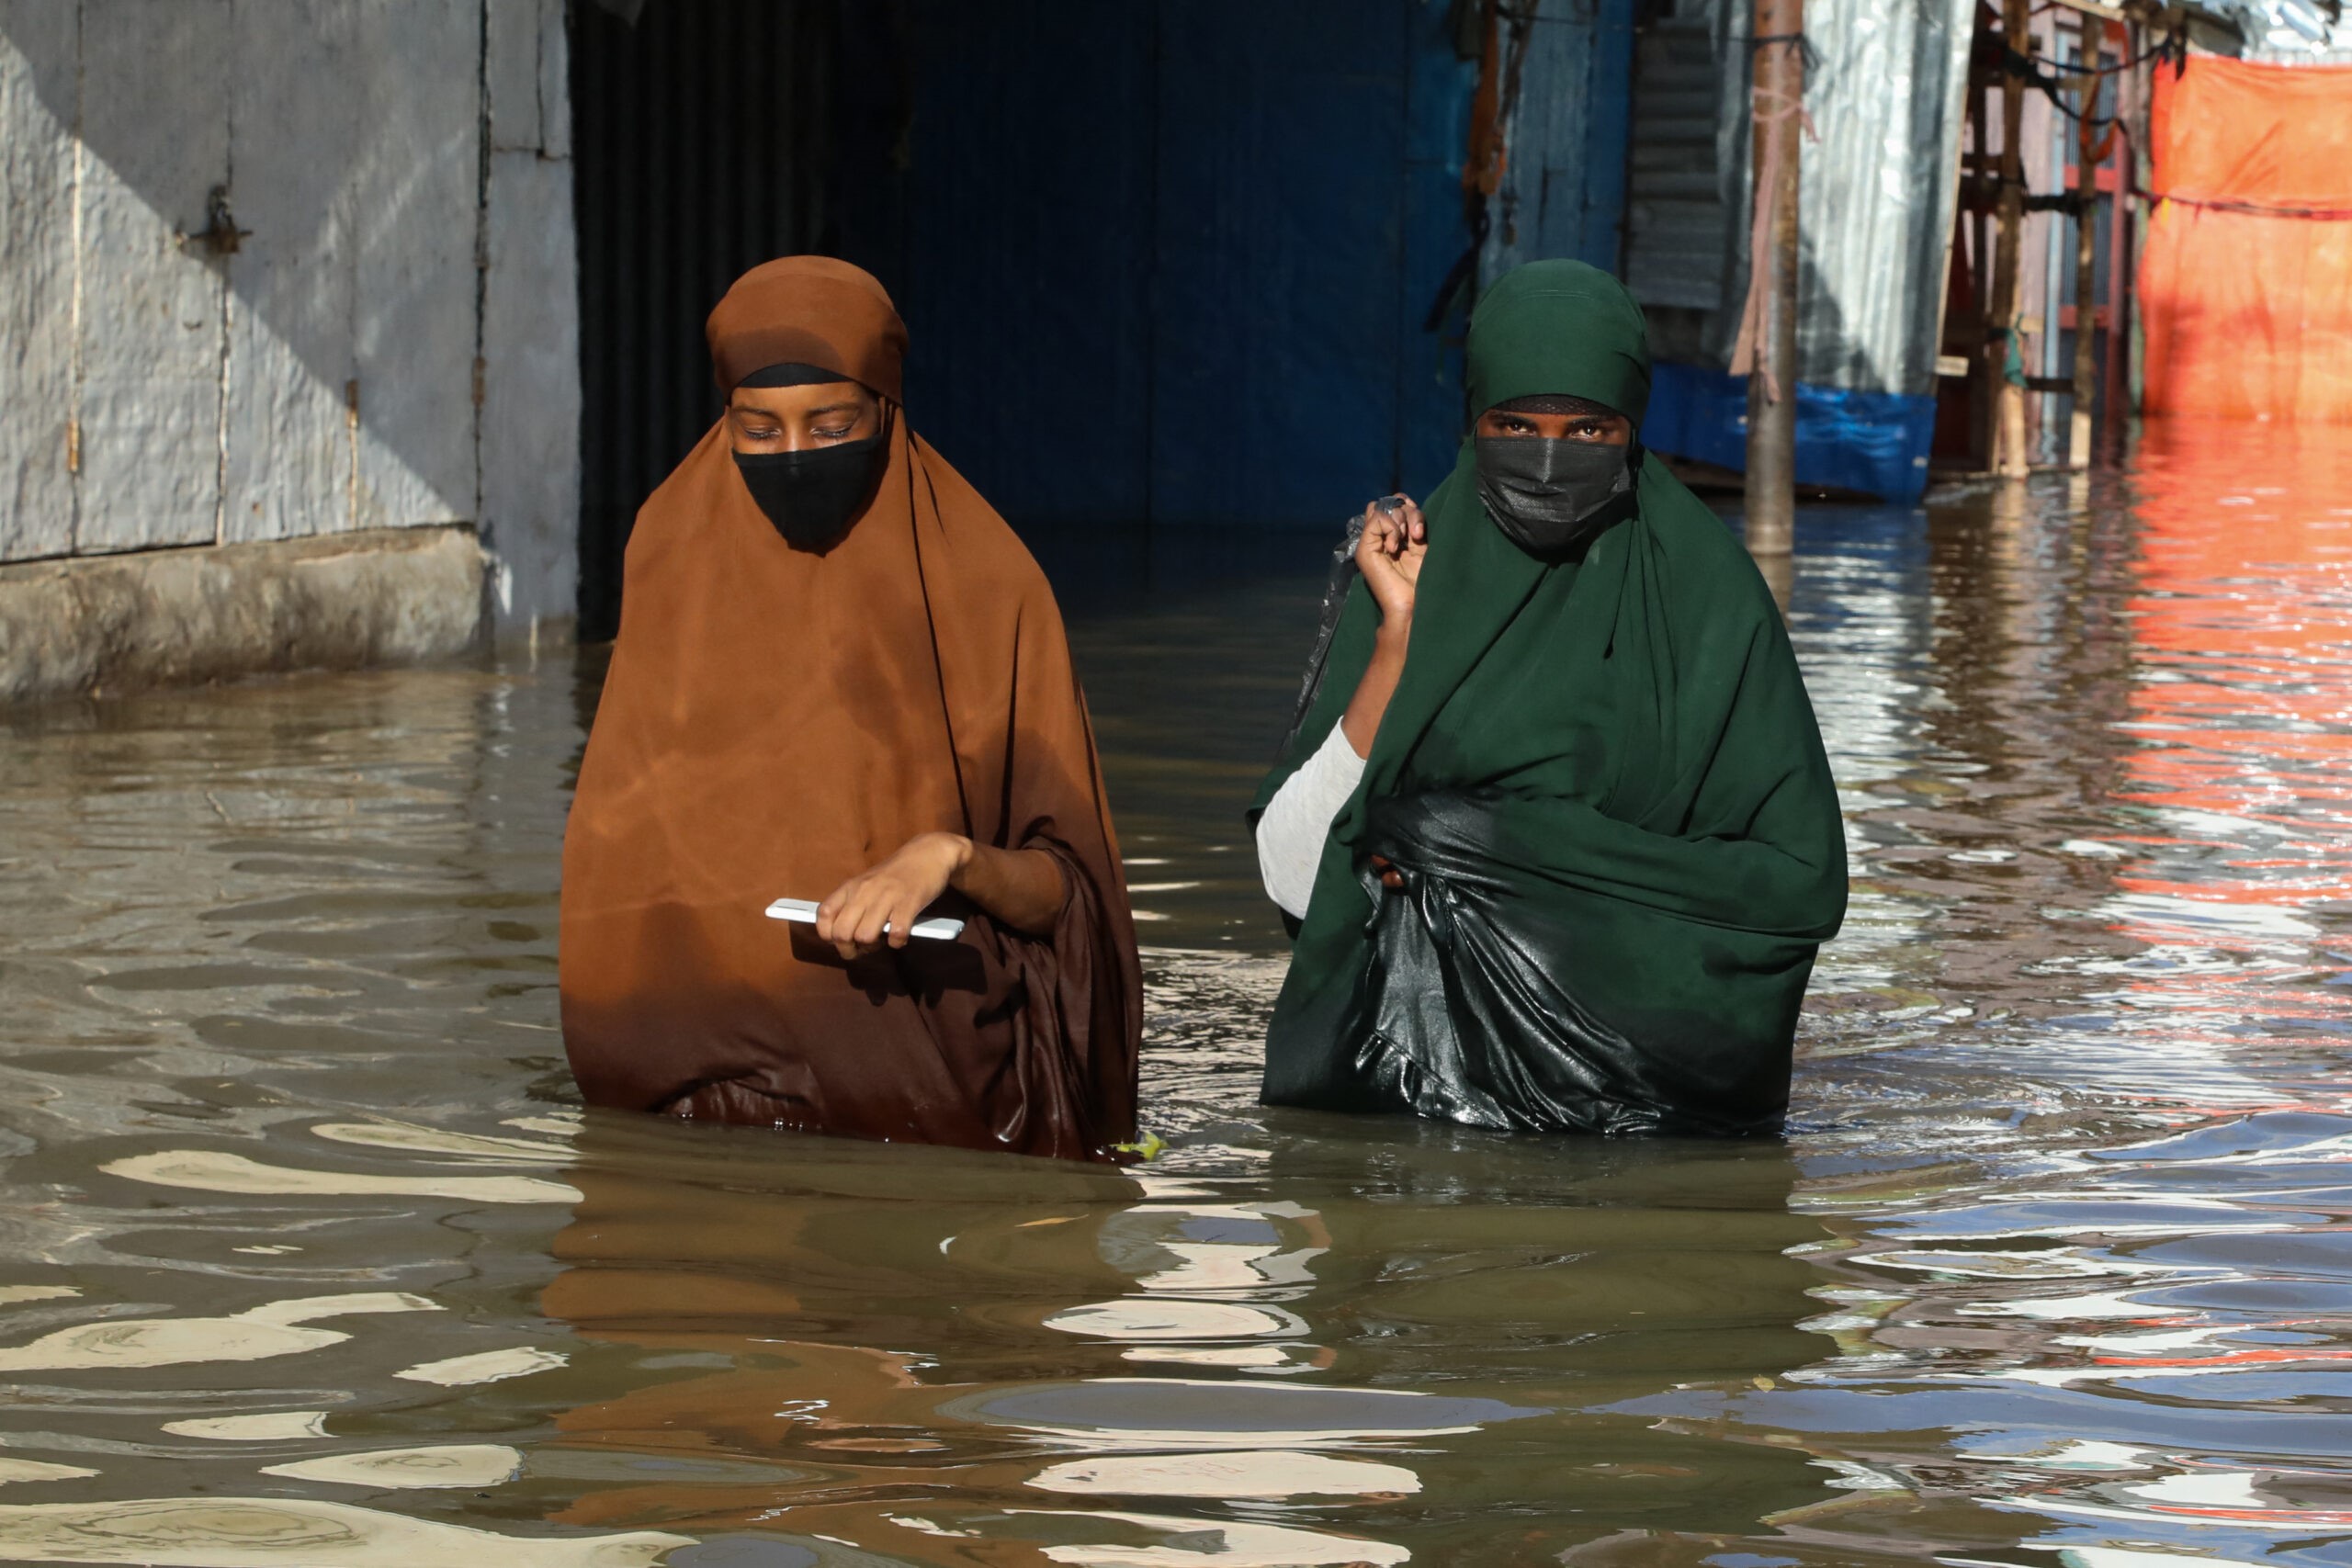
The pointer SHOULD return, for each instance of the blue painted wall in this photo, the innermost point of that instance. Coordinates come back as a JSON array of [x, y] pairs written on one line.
[[1025, 277], [1608, 127], [1279, 261], [1211, 228], [1217, 228]]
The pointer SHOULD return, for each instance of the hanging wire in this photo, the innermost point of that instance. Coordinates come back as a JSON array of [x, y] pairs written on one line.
[[1809, 56], [2162, 48]]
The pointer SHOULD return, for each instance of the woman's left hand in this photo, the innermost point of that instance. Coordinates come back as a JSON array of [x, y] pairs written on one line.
[[893, 895]]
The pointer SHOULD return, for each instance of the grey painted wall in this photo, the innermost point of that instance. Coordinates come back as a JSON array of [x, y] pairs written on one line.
[[389, 339]]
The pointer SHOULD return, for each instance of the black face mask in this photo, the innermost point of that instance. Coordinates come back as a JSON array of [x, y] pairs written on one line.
[[812, 497], [1550, 498]]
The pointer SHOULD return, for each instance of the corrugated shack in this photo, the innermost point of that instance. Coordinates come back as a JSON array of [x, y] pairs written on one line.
[[2022, 225], [1884, 97], [349, 329]]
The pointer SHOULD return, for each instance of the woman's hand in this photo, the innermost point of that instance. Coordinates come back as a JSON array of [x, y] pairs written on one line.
[[1389, 555], [893, 895], [1396, 539]]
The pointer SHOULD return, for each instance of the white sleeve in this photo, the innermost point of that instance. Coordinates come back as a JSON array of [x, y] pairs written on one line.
[[1295, 824]]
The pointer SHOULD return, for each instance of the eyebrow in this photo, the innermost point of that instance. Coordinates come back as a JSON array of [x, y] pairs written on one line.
[[832, 408]]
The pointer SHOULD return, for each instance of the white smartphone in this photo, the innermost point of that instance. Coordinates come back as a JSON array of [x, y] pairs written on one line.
[[939, 928]]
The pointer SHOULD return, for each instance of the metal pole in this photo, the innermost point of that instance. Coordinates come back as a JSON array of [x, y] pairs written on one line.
[[2079, 432], [2008, 395], [1778, 103]]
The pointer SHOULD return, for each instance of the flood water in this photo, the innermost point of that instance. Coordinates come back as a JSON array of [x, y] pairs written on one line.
[[311, 1258]]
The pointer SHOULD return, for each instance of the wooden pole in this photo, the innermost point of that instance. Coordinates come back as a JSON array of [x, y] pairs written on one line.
[[1981, 385], [2001, 338], [1777, 108], [2142, 176], [2079, 431], [2118, 408]]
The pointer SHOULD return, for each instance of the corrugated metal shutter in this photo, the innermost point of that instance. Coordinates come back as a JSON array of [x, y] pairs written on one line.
[[1675, 222], [699, 135]]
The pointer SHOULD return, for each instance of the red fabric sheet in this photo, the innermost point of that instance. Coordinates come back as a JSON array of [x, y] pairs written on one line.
[[2248, 313]]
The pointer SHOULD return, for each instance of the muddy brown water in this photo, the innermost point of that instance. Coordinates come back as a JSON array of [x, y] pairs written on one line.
[[311, 1258]]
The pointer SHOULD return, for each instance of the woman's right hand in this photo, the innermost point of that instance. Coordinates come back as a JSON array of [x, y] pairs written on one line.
[[1396, 540]]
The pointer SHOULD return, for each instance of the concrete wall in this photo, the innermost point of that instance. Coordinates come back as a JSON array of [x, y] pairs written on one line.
[[261, 280]]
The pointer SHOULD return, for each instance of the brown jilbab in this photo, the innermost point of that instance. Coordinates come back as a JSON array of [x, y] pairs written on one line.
[[776, 721]]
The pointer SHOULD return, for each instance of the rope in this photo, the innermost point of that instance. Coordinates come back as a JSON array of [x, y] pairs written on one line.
[[1768, 105], [1807, 55], [2251, 209]]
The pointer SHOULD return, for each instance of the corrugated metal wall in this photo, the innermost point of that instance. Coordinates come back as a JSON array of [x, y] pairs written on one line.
[[1212, 226], [1676, 219], [1883, 90], [1563, 190], [1166, 263], [1219, 223], [701, 139]]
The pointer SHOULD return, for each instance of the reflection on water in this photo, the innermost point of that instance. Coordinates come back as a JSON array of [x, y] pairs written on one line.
[[312, 1260]]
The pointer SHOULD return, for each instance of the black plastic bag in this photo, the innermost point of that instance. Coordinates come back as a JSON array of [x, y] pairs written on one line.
[[1463, 1012]]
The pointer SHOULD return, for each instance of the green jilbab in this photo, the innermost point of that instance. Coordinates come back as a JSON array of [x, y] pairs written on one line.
[[1602, 785]]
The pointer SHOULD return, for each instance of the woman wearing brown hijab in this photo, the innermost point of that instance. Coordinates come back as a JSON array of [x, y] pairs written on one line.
[[841, 677]]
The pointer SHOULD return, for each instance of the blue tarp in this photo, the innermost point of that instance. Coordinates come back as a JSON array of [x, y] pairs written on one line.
[[1875, 443]]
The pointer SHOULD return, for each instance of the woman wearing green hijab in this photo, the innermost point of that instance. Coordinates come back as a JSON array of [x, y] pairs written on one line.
[[1582, 840]]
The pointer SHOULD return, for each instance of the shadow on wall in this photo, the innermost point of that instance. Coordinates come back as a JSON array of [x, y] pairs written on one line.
[[282, 328]]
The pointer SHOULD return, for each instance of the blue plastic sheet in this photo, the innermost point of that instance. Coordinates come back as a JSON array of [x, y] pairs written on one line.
[[1873, 443]]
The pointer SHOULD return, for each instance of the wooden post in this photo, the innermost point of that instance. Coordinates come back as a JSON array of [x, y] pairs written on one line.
[[2119, 405], [2079, 430], [1777, 108], [2142, 176], [2000, 339], [1981, 385]]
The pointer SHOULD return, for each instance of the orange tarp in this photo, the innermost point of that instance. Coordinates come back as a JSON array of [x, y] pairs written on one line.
[[2246, 286]]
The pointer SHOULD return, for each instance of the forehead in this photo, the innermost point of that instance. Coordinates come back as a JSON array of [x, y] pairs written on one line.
[[1549, 415], [788, 402]]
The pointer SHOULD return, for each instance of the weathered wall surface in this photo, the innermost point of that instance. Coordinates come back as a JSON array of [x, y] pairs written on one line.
[[104, 625], [1563, 190], [528, 503], [264, 280]]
